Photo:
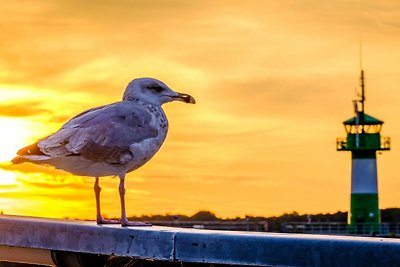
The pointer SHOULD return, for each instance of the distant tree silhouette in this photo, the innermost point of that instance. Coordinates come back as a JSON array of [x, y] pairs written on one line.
[[391, 215], [204, 215]]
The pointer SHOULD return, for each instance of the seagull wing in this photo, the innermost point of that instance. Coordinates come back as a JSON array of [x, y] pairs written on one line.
[[102, 134]]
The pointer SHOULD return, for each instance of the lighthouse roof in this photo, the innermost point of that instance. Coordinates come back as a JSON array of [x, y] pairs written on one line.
[[365, 119]]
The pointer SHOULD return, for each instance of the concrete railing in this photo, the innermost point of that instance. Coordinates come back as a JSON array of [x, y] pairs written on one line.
[[342, 228], [45, 241]]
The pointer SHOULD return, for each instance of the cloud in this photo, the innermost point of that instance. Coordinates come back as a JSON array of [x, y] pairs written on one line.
[[28, 168], [83, 44], [52, 196], [54, 183], [29, 109], [272, 78], [36, 176], [22, 109], [7, 186]]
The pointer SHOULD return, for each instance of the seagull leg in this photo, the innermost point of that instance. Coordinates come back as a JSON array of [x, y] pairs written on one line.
[[124, 220], [99, 217]]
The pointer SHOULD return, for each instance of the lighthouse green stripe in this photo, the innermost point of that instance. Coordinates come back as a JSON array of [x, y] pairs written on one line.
[[364, 209]]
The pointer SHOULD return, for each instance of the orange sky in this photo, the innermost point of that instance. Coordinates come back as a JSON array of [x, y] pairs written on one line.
[[273, 82]]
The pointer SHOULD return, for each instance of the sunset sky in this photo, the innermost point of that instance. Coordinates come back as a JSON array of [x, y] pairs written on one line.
[[273, 80]]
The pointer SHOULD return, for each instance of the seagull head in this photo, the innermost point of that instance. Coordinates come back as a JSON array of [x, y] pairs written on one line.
[[153, 91]]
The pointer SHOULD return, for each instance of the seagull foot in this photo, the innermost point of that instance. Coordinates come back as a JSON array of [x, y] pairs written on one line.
[[128, 223], [107, 221]]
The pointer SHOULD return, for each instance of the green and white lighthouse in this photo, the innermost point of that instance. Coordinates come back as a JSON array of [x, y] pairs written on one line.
[[363, 140]]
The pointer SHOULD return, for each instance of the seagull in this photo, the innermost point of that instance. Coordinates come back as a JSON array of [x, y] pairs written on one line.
[[109, 140]]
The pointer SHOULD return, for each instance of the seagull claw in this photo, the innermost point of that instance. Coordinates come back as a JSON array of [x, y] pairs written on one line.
[[107, 221], [128, 223]]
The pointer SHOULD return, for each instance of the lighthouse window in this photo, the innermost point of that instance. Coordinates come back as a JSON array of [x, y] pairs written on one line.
[[356, 129], [376, 128], [371, 129], [353, 129]]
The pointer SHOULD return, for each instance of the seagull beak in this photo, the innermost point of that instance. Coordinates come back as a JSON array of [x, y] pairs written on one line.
[[184, 98]]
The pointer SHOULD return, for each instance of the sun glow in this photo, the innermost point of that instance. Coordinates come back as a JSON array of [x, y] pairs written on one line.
[[15, 134], [7, 178], [273, 81]]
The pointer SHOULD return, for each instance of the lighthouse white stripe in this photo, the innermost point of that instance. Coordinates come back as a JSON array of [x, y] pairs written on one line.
[[364, 176]]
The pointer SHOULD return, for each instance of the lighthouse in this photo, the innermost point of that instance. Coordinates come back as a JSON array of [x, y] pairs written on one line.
[[363, 140]]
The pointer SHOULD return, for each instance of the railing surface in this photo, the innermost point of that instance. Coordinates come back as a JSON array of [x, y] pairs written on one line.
[[338, 228], [193, 245]]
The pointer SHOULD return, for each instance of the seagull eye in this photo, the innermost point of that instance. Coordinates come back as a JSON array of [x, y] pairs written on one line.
[[156, 88]]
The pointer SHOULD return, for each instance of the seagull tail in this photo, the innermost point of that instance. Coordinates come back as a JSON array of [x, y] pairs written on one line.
[[33, 159], [18, 160], [29, 153]]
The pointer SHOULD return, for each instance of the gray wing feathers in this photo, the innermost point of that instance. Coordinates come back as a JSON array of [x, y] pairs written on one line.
[[54, 145], [102, 134]]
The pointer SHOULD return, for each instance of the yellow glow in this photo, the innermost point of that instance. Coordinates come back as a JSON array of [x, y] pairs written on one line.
[[7, 178], [273, 81], [14, 135]]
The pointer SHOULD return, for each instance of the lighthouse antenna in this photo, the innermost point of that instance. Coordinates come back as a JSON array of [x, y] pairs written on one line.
[[362, 90], [362, 81]]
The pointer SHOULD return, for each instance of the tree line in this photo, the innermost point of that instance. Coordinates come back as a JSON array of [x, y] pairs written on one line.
[[390, 215]]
